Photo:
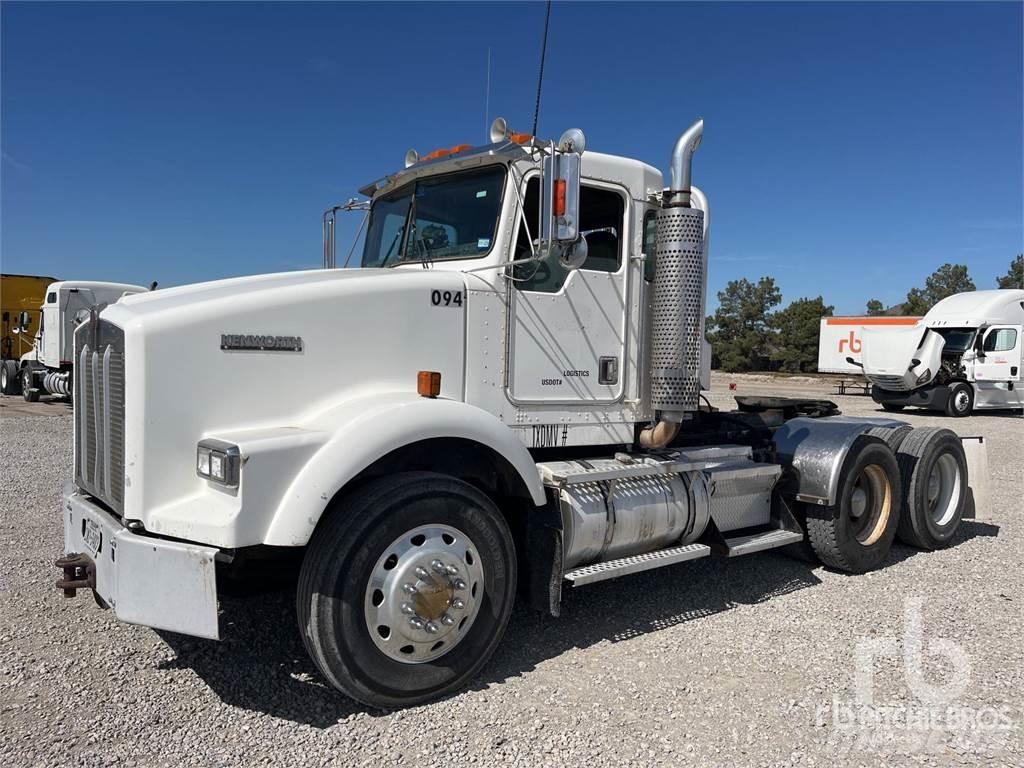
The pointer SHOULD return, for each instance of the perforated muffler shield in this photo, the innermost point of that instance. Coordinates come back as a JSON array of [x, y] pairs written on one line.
[[677, 310]]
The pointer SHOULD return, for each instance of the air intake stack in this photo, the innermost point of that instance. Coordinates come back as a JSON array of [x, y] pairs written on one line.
[[677, 314]]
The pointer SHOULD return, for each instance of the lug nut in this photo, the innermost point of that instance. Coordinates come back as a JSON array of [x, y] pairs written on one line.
[[421, 572], [452, 570], [458, 604], [409, 589], [416, 621], [447, 620], [431, 628], [408, 610], [460, 584], [438, 566]]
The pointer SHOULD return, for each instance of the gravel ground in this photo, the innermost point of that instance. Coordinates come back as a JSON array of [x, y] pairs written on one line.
[[710, 662]]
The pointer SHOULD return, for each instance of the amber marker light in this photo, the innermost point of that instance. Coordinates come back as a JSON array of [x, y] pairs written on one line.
[[428, 383]]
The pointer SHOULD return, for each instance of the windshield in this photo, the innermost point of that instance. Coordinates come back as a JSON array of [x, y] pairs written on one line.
[[957, 339], [453, 216]]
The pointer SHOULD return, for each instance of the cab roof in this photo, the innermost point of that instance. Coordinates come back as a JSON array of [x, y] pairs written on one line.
[[977, 308]]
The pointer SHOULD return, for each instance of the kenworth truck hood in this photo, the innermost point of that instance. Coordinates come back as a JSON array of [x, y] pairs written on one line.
[[889, 354], [193, 367]]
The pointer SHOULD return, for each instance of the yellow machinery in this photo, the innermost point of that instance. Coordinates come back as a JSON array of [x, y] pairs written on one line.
[[20, 293]]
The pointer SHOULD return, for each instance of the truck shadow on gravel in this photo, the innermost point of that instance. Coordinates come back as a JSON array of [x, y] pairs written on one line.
[[261, 664]]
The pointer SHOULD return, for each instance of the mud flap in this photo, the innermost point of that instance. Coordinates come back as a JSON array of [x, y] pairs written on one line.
[[978, 479]]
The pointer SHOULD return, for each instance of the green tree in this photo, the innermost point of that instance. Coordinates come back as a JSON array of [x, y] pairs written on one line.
[[739, 331], [796, 341], [945, 281], [1014, 277], [875, 307]]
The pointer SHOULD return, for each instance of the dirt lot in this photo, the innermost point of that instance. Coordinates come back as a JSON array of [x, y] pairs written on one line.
[[753, 661]]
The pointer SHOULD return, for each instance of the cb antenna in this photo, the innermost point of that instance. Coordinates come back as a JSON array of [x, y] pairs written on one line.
[[540, 76]]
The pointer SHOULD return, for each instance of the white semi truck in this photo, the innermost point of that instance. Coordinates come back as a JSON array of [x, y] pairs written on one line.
[[966, 353], [47, 367], [503, 400]]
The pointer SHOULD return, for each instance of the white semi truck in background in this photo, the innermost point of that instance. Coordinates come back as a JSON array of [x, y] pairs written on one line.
[[966, 353], [503, 400], [47, 367]]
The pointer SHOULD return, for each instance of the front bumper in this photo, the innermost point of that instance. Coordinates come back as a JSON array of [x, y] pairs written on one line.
[[145, 580], [934, 397]]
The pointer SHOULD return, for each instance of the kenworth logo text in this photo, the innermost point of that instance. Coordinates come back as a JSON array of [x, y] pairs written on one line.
[[253, 342]]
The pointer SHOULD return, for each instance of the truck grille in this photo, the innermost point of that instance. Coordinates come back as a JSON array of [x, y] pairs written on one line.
[[891, 383], [99, 411]]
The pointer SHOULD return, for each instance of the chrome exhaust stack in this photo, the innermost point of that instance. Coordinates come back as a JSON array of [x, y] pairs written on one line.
[[677, 303], [681, 168]]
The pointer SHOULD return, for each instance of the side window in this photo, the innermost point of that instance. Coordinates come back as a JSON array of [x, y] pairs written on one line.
[[650, 235], [51, 297], [1001, 340], [599, 209]]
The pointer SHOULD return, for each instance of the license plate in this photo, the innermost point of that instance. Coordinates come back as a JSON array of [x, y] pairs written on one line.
[[92, 536]]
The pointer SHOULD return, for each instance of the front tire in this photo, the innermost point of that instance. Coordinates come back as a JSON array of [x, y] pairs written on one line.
[[855, 533], [406, 588], [28, 391], [892, 407], [961, 400]]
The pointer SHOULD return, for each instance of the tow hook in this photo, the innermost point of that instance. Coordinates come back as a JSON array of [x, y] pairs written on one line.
[[79, 573]]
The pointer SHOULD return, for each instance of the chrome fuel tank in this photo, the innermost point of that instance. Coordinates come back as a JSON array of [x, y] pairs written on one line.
[[628, 515]]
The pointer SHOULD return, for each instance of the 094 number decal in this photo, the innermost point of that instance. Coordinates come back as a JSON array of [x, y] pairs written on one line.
[[446, 298]]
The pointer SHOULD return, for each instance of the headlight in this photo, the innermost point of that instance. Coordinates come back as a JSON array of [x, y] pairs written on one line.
[[925, 377], [218, 461]]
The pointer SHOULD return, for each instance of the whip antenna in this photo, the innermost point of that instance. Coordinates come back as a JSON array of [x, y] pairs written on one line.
[[540, 76]]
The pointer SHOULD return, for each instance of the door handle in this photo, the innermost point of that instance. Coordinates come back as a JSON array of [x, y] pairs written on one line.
[[608, 370]]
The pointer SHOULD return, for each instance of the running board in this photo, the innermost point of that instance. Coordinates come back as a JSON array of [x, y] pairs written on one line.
[[612, 569], [757, 542]]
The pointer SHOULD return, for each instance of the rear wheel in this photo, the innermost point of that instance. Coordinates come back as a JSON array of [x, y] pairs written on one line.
[[9, 383], [961, 400], [934, 473], [406, 588], [856, 532]]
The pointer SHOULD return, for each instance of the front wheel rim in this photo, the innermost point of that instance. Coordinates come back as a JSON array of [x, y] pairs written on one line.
[[961, 401], [424, 594]]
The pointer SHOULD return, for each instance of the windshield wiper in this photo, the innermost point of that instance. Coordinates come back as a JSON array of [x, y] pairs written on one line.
[[391, 249]]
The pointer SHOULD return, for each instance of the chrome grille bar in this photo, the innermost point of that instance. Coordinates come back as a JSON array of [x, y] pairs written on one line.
[[99, 405]]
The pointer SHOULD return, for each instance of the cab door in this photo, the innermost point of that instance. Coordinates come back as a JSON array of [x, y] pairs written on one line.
[[567, 329], [1001, 345]]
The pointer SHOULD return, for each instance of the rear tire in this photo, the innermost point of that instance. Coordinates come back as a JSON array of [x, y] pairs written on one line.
[[855, 533], [934, 474], [892, 407], [9, 382], [961, 400], [401, 557]]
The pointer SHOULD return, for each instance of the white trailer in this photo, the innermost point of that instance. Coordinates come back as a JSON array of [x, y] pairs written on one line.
[[46, 369], [503, 400], [839, 338], [966, 353]]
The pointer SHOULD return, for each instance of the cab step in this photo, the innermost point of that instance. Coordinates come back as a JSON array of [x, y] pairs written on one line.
[[612, 569], [757, 542]]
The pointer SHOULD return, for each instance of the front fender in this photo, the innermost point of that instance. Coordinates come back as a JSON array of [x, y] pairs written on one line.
[[367, 429]]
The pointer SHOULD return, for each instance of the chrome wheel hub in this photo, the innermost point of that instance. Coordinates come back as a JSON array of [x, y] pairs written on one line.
[[424, 594]]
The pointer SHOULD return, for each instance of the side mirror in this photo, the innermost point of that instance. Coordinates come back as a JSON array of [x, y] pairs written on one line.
[[24, 320], [560, 200]]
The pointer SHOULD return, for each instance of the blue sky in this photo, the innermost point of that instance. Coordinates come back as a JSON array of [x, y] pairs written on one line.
[[849, 149]]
